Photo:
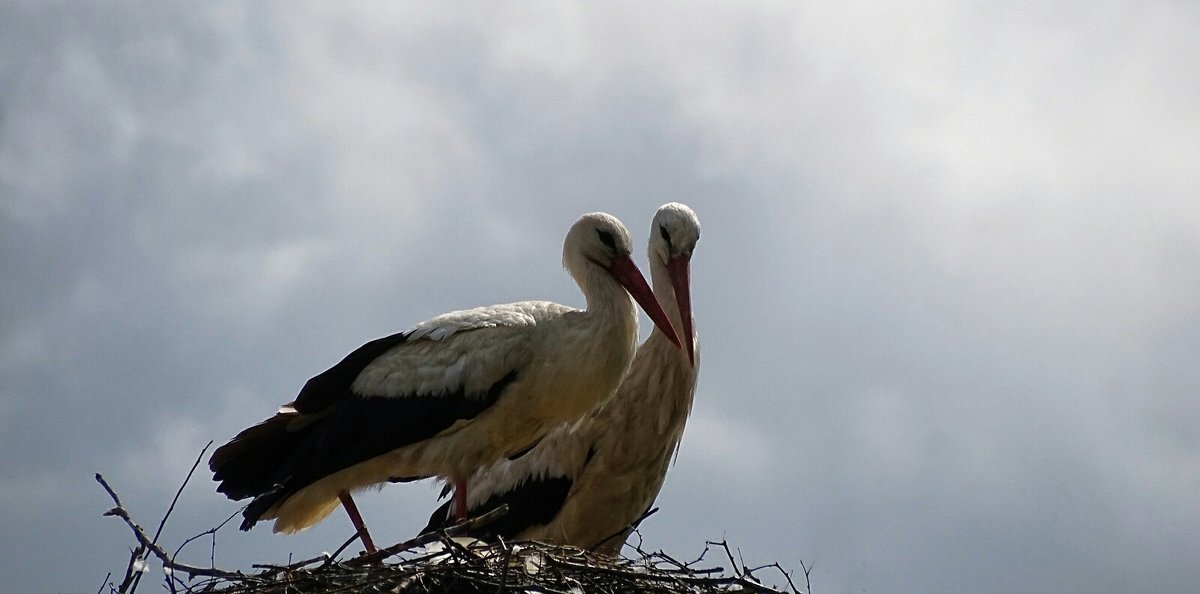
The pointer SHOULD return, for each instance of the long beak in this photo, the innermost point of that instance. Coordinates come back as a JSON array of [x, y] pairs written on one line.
[[679, 270], [626, 272]]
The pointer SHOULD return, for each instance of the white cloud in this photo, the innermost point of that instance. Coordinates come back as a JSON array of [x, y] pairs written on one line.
[[396, 145], [245, 286], [42, 158]]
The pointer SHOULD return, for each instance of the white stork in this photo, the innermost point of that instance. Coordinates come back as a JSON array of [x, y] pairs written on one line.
[[585, 485], [454, 394]]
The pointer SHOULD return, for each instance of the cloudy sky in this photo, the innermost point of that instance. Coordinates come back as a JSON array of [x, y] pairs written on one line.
[[948, 288]]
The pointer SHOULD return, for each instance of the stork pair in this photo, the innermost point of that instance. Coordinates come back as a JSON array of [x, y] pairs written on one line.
[[491, 399]]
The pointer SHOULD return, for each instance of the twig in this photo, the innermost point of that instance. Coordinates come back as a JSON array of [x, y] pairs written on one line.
[[127, 582], [630, 527], [450, 543], [725, 545], [171, 579], [682, 566], [120, 512], [212, 553], [787, 575], [455, 530], [702, 554], [641, 541], [106, 578], [170, 509], [507, 557], [357, 536], [807, 570], [179, 492]]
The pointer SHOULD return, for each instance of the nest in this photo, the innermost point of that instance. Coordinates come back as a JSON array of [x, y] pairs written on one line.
[[447, 562], [459, 565]]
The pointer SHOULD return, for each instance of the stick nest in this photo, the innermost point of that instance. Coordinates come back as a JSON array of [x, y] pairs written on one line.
[[461, 565], [447, 562]]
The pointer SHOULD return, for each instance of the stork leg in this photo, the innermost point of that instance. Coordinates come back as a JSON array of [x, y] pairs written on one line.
[[356, 519], [460, 500]]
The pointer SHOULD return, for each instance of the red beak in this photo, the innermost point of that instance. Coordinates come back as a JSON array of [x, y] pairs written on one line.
[[679, 270], [626, 272]]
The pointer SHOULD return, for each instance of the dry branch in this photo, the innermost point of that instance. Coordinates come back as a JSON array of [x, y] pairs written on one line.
[[147, 543]]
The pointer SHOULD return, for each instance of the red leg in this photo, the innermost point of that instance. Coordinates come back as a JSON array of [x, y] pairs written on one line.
[[356, 519], [460, 500]]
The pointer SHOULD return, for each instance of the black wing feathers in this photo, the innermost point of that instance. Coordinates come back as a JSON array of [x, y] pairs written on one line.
[[532, 504], [333, 385], [362, 428], [278, 457], [248, 465]]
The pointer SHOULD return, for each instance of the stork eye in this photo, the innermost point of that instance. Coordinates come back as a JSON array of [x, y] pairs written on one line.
[[662, 230], [607, 239]]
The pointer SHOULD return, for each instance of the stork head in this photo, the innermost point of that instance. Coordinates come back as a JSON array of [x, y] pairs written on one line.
[[673, 236], [599, 241]]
